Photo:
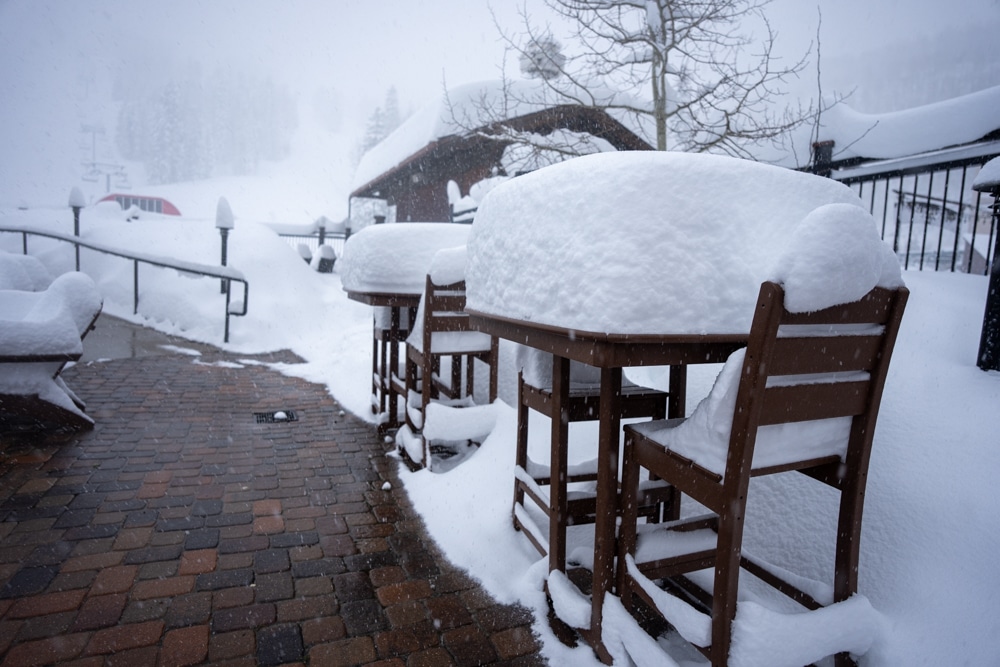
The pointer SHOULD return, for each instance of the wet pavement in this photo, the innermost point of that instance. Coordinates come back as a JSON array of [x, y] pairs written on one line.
[[185, 529]]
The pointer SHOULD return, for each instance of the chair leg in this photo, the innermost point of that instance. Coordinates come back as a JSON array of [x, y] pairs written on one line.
[[558, 506], [848, 544], [521, 450], [410, 387], [727, 571], [630, 519], [377, 388], [426, 384]]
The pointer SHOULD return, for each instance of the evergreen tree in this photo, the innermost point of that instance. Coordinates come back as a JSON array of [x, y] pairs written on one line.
[[188, 130], [390, 117]]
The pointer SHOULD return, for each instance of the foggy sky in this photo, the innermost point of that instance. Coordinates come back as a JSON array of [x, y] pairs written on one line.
[[59, 57]]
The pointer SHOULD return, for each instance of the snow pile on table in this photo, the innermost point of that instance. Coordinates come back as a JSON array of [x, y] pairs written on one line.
[[50, 322], [395, 258], [648, 242], [40, 328]]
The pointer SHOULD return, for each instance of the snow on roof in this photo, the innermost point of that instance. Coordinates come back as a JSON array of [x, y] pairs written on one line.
[[947, 123], [459, 109], [652, 242]]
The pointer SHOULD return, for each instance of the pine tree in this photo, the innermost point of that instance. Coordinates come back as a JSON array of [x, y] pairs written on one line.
[[390, 117]]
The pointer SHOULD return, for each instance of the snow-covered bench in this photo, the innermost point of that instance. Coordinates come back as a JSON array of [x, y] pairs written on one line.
[[40, 331]]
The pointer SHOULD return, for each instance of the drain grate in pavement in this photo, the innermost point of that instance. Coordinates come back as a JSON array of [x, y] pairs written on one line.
[[278, 417]]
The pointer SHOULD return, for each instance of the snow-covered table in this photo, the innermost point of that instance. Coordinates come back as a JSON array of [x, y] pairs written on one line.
[[386, 266], [39, 333], [655, 259]]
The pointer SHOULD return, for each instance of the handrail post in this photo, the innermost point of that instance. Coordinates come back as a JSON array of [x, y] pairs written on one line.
[[135, 287], [988, 181], [989, 341], [229, 289]]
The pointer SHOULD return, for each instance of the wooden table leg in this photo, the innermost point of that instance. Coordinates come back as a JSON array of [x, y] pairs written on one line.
[[393, 364], [607, 502], [559, 450]]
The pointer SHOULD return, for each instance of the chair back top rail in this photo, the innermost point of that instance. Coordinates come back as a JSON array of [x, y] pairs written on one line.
[[843, 374]]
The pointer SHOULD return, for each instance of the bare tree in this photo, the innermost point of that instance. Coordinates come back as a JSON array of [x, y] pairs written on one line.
[[682, 67]]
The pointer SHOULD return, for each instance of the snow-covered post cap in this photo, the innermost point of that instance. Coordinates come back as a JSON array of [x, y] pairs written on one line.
[[988, 178], [322, 222], [223, 215], [76, 198]]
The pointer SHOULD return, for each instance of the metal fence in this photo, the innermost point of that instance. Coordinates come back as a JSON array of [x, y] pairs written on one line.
[[312, 241], [226, 274], [926, 207]]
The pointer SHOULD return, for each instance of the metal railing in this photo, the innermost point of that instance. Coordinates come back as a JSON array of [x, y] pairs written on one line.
[[226, 274], [335, 240], [926, 207]]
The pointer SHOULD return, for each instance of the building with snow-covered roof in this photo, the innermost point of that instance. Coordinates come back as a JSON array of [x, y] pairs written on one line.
[[958, 128], [469, 135]]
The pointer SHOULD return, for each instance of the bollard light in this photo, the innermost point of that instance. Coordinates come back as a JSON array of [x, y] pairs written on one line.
[[224, 222], [76, 202], [988, 181]]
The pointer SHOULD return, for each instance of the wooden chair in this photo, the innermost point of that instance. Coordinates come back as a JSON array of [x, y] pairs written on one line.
[[560, 506], [442, 331], [841, 357]]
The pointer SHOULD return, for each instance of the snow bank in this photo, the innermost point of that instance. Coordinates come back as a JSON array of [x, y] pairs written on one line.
[[646, 242], [22, 272]]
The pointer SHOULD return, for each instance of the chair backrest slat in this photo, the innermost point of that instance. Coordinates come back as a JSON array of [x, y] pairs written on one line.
[[807, 402], [825, 354], [876, 307]]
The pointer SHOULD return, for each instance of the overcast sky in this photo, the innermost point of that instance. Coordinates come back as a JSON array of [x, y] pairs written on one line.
[[57, 57], [361, 47]]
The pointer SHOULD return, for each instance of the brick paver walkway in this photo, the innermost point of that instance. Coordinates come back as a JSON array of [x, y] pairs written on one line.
[[182, 532]]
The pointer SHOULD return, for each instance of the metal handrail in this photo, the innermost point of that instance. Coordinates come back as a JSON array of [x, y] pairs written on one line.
[[226, 274]]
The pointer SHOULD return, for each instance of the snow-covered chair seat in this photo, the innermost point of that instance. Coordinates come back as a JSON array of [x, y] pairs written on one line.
[[442, 332], [39, 333], [572, 500], [803, 396], [22, 272]]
